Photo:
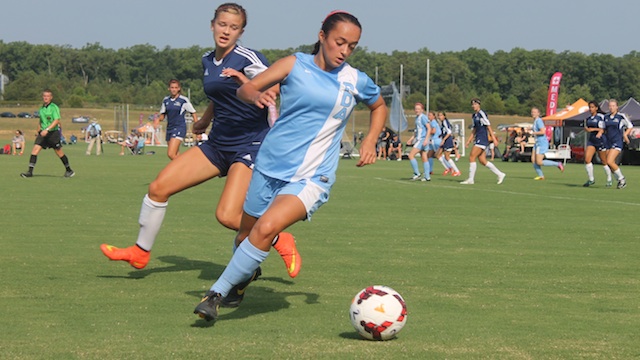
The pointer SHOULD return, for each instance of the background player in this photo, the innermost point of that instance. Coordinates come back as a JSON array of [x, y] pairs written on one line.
[[174, 107], [596, 142], [420, 144], [541, 146], [617, 129], [481, 132]]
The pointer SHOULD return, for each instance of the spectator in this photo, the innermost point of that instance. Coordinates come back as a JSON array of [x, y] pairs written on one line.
[[17, 144], [73, 139], [395, 148], [383, 143], [131, 142], [94, 132]]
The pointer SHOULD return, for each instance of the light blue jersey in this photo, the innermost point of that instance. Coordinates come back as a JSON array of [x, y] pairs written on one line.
[[436, 135], [305, 141], [421, 128], [541, 140]]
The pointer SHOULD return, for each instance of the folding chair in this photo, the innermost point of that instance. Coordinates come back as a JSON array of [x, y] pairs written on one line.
[[139, 147]]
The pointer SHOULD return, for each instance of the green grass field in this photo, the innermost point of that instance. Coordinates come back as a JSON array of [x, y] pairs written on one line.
[[524, 270]]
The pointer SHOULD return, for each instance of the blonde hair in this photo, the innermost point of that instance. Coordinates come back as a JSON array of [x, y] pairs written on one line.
[[231, 8]]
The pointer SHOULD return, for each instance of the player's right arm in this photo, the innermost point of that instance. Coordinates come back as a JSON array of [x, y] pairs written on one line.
[[202, 124], [258, 90]]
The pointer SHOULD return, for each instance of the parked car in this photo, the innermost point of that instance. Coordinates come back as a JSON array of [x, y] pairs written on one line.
[[80, 119], [7, 114], [25, 115]]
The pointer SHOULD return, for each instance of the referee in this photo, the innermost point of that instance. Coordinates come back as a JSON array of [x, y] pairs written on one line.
[[48, 135]]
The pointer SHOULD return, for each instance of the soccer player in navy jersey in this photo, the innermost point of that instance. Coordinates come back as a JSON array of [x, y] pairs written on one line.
[[481, 133], [447, 146], [296, 165], [596, 142], [174, 107], [234, 140], [617, 129]]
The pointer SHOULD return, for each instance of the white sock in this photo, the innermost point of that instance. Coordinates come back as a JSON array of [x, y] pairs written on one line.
[[589, 168], [150, 220], [452, 165], [619, 175], [472, 170], [493, 168], [443, 162], [607, 171]]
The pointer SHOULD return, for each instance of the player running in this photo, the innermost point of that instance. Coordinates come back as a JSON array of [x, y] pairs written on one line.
[[296, 165], [482, 131], [541, 146], [174, 107], [596, 142], [617, 129], [234, 140]]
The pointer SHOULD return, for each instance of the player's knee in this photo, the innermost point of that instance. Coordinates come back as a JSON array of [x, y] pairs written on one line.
[[264, 231], [158, 192], [228, 219]]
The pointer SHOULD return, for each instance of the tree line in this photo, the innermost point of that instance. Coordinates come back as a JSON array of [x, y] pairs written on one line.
[[507, 82]]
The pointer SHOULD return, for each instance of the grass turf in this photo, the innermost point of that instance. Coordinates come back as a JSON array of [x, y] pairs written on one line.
[[524, 270]]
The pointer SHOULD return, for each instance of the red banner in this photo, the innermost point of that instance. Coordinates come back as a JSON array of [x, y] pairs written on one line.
[[552, 98]]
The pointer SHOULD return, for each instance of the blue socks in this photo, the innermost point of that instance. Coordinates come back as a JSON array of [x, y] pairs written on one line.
[[244, 262]]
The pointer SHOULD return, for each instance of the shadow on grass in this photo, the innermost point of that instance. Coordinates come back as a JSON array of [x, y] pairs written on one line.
[[208, 270], [259, 300]]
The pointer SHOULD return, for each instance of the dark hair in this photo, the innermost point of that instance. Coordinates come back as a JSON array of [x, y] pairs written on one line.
[[231, 8], [432, 113], [595, 103], [330, 22], [443, 114], [475, 100], [19, 131], [174, 81]]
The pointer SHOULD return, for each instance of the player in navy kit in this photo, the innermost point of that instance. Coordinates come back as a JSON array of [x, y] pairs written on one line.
[[596, 142], [617, 129], [174, 107], [297, 163], [481, 133], [447, 146], [234, 140]]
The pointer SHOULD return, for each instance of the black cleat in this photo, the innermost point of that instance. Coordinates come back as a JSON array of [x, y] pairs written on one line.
[[237, 292], [26, 175], [208, 307], [622, 183], [68, 174], [589, 183]]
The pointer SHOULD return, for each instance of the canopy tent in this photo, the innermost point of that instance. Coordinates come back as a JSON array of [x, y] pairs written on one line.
[[632, 109], [577, 120], [558, 119]]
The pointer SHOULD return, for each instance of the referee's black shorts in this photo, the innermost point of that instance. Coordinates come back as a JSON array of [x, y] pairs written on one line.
[[52, 140]]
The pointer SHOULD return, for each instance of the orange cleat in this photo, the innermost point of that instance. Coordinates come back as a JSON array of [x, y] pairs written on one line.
[[456, 173], [134, 255], [446, 172], [286, 247]]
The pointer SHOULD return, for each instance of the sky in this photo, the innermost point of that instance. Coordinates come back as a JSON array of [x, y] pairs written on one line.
[[586, 26]]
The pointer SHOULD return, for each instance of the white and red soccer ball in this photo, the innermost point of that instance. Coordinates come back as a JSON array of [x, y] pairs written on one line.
[[378, 313]]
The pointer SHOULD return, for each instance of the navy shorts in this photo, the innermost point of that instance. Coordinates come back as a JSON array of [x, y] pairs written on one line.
[[224, 159], [176, 133]]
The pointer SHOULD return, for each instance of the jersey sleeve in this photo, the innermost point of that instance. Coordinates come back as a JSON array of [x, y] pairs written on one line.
[[600, 121], [188, 107], [163, 109], [626, 123], [55, 113], [368, 91], [484, 119], [256, 65]]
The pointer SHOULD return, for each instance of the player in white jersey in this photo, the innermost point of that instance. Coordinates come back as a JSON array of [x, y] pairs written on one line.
[[617, 129], [481, 134], [420, 144], [297, 162], [229, 152], [174, 107], [541, 147]]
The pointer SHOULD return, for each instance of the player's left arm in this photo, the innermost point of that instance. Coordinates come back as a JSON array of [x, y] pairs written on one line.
[[200, 126], [377, 119]]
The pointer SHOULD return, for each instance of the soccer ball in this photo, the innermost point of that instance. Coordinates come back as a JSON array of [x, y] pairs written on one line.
[[378, 313]]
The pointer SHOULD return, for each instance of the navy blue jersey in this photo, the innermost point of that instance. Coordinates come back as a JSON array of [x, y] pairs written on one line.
[[594, 121], [615, 126], [175, 109], [236, 124], [480, 123]]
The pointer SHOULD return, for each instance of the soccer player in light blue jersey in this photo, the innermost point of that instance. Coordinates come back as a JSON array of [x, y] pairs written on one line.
[[617, 129], [234, 140], [420, 144], [174, 107], [596, 142], [481, 133], [436, 139], [541, 146], [296, 165]]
